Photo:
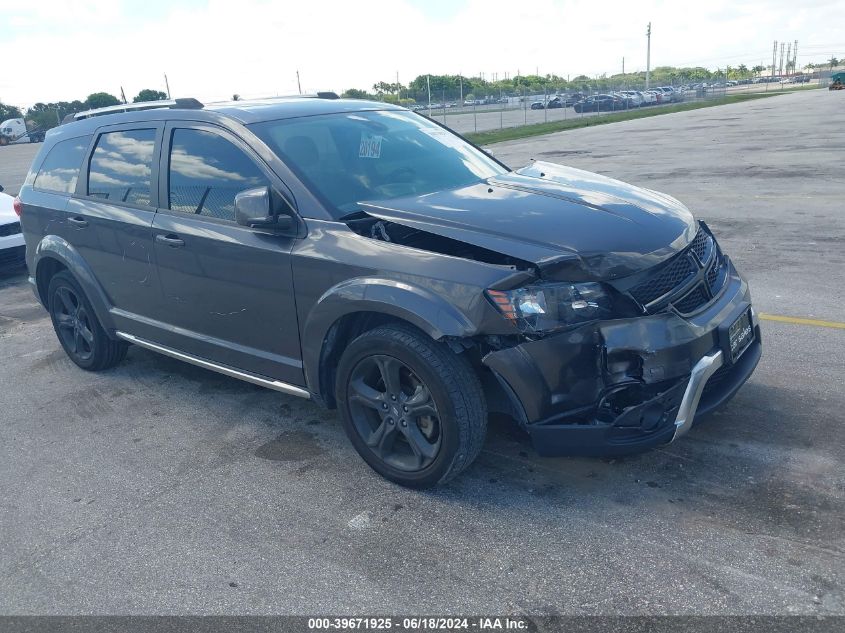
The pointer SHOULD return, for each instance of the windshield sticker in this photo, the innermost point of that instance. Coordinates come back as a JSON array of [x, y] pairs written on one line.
[[370, 146]]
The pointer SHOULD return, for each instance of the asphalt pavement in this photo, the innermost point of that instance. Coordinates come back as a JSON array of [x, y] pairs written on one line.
[[161, 488]]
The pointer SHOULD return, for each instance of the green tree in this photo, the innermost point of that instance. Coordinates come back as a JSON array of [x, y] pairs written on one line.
[[9, 112], [49, 115], [149, 95], [355, 93], [833, 62], [384, 88], [101, 100]]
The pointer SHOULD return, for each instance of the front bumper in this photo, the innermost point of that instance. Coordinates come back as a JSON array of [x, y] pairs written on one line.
[[622, 386]]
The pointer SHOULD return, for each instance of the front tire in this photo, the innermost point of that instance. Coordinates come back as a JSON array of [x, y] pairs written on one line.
[[413, 409], [77, 327]]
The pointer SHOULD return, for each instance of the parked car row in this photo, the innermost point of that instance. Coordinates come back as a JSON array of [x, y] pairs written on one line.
[[619, 100], [558, 101], [468, 103]]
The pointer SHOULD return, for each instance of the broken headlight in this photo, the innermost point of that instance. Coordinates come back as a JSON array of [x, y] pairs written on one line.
[[546, 307]]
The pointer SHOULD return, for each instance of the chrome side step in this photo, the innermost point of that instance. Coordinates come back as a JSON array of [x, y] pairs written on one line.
[[702, 371], [255, 379]]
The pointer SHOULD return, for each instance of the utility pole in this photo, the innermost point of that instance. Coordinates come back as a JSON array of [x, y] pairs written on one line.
[[167, 85], [795, 58], [780, 66], [298, 85], [623, 65], [788, 56], [774, 58], [648, 58]]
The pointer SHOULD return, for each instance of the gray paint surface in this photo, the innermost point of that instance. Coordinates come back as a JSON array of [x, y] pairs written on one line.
[[153, 487]]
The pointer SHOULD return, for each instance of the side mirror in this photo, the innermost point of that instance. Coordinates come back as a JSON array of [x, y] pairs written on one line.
[[1, 188], [253, 209]]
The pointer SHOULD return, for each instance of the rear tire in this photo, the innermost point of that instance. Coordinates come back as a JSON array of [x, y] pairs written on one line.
[[79, 331], [413, 409]]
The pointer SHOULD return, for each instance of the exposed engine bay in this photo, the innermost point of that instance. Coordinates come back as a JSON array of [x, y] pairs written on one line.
[[386, 231]]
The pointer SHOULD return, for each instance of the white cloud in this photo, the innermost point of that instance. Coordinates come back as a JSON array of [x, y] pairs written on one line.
[[254, 47]]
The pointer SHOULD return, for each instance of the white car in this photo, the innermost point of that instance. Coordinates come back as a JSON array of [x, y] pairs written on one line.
[[669, 94], [11, 238], [649, 97], [635, 97]]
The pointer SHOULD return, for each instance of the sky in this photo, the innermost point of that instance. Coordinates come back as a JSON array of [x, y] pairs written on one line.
[[56, 50]]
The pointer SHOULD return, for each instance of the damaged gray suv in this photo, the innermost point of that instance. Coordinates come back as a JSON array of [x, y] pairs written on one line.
[[369, 259]]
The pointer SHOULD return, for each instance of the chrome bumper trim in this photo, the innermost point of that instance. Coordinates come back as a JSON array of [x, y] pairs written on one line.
[[702, 371], [222, 369]]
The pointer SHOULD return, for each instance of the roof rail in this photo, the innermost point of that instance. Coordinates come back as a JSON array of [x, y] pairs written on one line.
[[187, 103], [306, 95]]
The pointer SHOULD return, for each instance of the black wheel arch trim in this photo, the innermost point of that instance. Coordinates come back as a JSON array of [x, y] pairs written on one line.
[[55, 247], [407, 302]]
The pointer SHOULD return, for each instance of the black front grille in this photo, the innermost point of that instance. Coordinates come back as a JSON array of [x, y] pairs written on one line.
[[701, 245], [713, 274], [675, 277], [671, 275], [10, 229], [691, 301]]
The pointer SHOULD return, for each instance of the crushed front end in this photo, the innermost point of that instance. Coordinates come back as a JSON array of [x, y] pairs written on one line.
[[689, 340]]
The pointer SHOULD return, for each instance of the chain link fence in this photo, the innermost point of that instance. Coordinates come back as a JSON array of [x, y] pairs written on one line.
[[468, 113]]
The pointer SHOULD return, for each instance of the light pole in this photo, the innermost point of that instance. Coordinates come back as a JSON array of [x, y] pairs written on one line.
[[648, 57]]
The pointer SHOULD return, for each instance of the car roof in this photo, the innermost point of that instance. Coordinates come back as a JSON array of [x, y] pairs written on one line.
[[258, 110], [244, 112]]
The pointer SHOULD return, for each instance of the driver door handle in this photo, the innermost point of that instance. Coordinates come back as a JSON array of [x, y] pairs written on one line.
[[171, 240], [78, 222]]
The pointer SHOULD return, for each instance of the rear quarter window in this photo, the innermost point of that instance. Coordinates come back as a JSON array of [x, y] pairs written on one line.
[[60, 169]]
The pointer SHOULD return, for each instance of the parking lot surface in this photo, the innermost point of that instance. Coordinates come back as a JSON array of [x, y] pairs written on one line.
[[158, 487], [14, 163]]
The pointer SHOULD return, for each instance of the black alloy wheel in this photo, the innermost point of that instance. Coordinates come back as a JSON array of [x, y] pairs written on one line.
[[412, 407], [77, 327], [73, 324], [394, 413]]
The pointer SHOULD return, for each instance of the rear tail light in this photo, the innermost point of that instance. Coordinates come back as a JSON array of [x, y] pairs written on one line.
[[18, 207]]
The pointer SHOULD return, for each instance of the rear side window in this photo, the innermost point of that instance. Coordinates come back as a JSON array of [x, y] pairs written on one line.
[[121, 166], [60, 170], [206, 173]]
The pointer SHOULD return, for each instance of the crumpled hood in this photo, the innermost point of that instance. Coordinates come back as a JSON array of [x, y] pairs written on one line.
[[573, 224]]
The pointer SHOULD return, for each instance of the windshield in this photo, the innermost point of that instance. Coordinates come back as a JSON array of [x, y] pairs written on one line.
[[352, 157]]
